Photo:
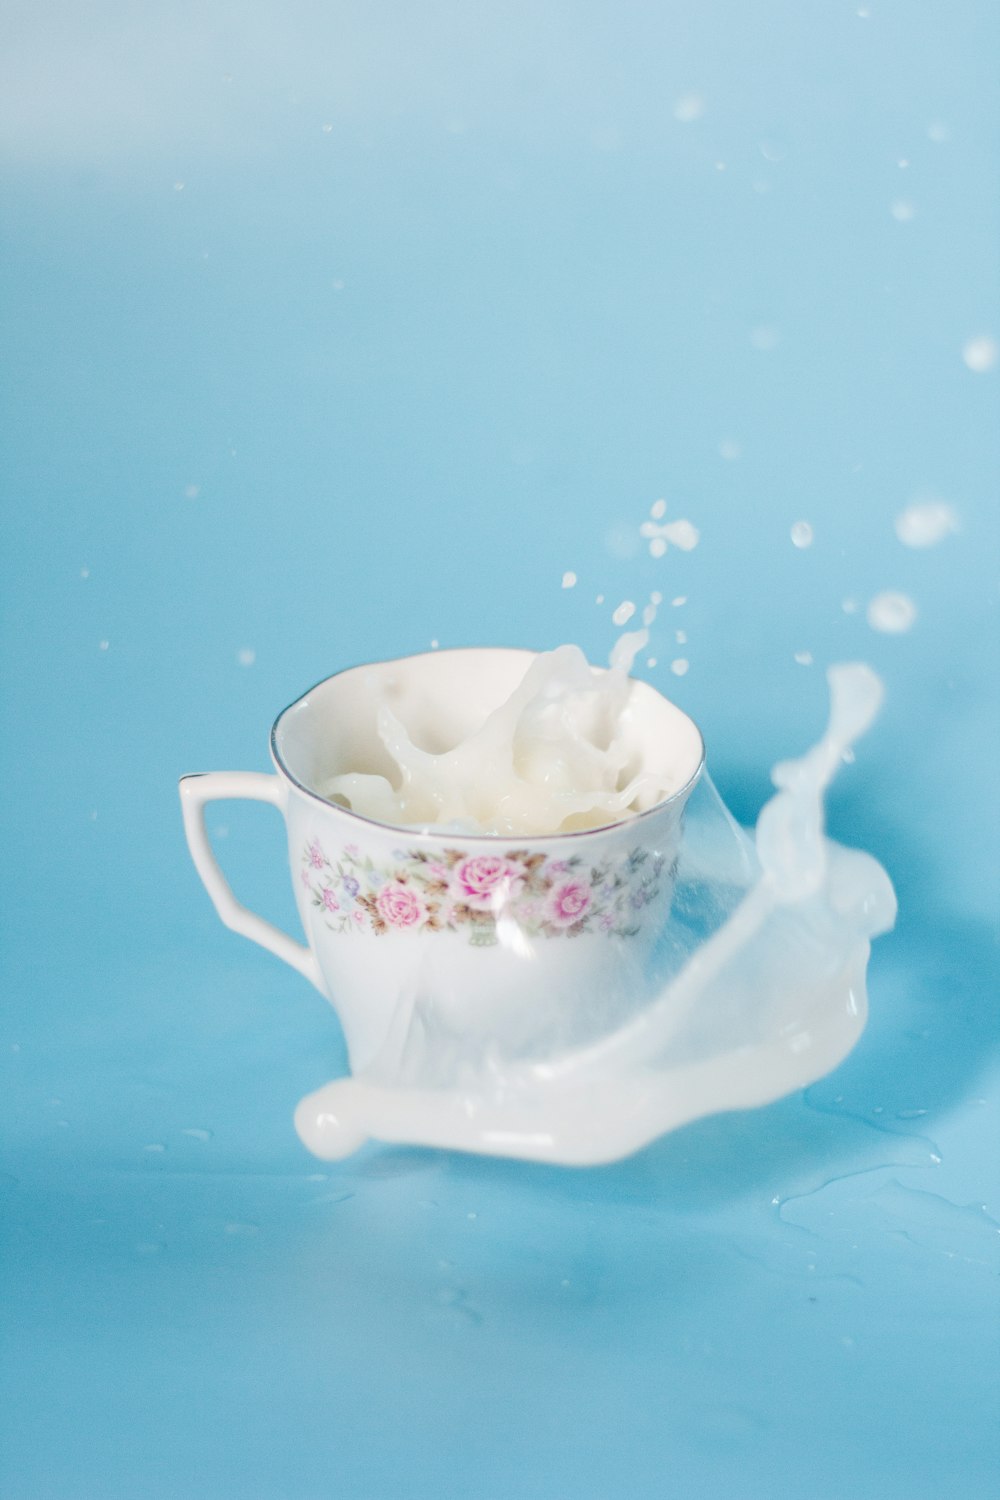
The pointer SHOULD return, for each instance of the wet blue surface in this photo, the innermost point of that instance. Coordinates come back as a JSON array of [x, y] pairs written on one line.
[[330, 330]]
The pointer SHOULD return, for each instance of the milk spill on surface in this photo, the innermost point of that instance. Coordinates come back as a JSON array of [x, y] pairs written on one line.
[[763, 994]]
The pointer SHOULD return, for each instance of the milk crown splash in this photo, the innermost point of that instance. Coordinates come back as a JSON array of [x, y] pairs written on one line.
[[552, 759]]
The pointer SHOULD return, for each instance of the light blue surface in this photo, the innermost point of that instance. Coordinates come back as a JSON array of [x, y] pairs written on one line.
[[327, 393]]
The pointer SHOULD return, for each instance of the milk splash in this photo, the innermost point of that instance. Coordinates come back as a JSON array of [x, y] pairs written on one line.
[[552, 759], [755, 987]]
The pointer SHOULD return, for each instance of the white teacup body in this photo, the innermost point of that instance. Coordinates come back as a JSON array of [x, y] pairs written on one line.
[[486, 934]]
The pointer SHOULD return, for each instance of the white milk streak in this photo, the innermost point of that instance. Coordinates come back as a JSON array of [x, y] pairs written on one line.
[[799, 938]]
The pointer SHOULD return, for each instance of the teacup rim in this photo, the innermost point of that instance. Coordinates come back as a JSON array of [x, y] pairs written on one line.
[[490, 840]]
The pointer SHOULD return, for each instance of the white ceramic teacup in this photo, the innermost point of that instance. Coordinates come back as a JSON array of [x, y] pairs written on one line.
[[486, 925]]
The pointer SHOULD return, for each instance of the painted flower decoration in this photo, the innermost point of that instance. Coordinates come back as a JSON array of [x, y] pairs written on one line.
[[486, 881], [410, 890], [399, 906], [568, 902]]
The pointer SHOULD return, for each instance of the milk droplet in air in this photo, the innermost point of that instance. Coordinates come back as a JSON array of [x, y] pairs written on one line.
[[730, 450], [680, 533], [902, 210], [891, 613], [246, 656], [84, 572], [679, 666], [981, 353], [938, 132], [658, 510], [850, 606], [688, 108], [650, 661], [925, 523], [624, 612], [681, 599], [104, 645], [802, 534], [680, 636], [804, 658], [599, 599], [569, 580]]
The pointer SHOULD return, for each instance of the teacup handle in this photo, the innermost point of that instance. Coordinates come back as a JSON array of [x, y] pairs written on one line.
[[253, 786]]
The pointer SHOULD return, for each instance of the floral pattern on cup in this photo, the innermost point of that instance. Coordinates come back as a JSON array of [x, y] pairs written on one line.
[[454, 891]]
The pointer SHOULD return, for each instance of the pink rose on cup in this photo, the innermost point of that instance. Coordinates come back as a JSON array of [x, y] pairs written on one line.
[[399, 906], [568, 902], [485, 881], [329, 899], [316, 856]]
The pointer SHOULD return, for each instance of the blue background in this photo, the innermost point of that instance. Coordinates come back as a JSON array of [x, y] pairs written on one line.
[[332, 329]]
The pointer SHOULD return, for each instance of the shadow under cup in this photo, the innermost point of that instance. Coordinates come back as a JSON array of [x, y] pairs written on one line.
[[437, 948]]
